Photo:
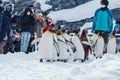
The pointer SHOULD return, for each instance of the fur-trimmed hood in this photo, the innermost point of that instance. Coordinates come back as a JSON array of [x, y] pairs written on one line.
[[12, 5]]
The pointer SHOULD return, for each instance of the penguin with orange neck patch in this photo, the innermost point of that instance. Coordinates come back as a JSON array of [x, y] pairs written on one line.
[[46, 48], [64, 48], [98, 45], [112, 46], [79, 53]]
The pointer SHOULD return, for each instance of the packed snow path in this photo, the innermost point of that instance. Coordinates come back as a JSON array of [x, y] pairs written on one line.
[[20, 66]]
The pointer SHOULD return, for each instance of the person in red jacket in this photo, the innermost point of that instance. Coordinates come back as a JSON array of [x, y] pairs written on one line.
[[49, 22]]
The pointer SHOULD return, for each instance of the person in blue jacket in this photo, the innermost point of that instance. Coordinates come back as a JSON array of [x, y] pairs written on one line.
[[103, 21]]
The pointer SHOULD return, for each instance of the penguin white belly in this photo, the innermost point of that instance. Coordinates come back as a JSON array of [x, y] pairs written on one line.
[[55, 48], [66, 36], [54, 53], [80, 53], [99, 47], [45, 47], [111, 47], [64, 54], [94, 39]]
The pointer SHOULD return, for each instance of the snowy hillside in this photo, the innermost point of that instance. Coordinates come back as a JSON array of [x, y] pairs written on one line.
[[81, 12], [20, 66]]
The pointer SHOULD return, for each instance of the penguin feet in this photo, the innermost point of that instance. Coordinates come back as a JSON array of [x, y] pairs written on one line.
[[54, 60], [65, 60], [75, 60], [94, 54], [58, 60], [47, 60], [58, 54], [82, 61], [68, 50], [87, 59], [41, 60]]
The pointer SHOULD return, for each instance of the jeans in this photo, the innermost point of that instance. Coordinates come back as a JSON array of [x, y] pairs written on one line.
[[25, 41]]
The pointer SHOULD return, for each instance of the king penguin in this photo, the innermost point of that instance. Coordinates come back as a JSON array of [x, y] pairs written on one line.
[[99, 46], [45, 46], [112, 46], [80, 53], [64, 49]]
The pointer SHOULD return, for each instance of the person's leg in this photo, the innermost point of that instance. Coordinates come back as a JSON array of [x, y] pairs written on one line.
[[105, 37], [28, 35], [23, 43]]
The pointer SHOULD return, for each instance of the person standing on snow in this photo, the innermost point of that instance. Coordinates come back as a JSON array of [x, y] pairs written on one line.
[[6, 29], [27, 27], [103, 21]]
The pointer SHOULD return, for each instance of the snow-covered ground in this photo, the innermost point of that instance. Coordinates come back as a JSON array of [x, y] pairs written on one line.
[[81, 12], [20, 66]]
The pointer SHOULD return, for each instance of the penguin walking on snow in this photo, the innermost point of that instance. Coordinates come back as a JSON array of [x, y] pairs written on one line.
[[64, 49], [45, 47], [80, 53], [112, 46], [98, 45], [86, 44]]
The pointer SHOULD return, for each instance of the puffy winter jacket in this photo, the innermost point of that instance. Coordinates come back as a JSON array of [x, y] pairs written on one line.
[[27, 22], [103, 20]]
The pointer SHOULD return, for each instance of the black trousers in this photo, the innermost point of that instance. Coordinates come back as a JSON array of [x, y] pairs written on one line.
[[104, 34]]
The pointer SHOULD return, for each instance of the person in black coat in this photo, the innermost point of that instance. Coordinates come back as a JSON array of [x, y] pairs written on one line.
[[27, 28]]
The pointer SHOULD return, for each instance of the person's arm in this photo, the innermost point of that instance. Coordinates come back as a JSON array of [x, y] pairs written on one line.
[[94, 22], [111, 21]]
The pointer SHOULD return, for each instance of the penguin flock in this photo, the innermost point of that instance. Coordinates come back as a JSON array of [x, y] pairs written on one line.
[[59, 45]]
